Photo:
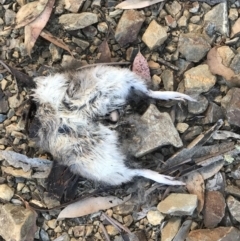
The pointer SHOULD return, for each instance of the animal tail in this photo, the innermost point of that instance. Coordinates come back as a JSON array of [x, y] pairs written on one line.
[[155, 176], [169, 95]]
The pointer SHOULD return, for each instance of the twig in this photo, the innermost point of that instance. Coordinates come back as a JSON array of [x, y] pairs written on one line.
[[104, 232], [162, 61], [116, 224]]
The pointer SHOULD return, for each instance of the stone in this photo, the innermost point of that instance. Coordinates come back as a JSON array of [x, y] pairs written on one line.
[[16, 222], [199, 106], [6, 193], [63, 237], [111, 230], [235, 64], [50, 201], [178, 204], [153, 130], [74, 21], [9, 17], [233, 14], [155, 35], [169, 231], [194, 8], [3, 104], [156, 80], [232, 103], [79, 231], [73, 5], [90, 32], [182, 22], [218, 16], [233, 190], [193, 46], [2, 118], [182, 127], [214, 209], [123, 209], [226, 54], [102, 27], [173, 8], [15, 101], [217, 234], [154, 217], [198, 80], [81, 43], [16, 172], [127, 220], [213, 114], [234, 207], [56, 52], [192, 132], [170, 21], [168, 79], [130, 22]]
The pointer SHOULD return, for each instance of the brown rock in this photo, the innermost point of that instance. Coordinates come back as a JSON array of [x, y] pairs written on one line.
[[169, 231], [178, 204], [128, 27], [214, 208], [155, 35], [217, 234]]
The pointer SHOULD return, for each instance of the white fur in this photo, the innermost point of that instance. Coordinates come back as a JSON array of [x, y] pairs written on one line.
[[68, 106]]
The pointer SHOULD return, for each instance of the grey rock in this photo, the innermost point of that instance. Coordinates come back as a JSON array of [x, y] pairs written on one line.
[[2, 118], [178, 204], [183, 66], [193, 46], [218, 16], [153, 130], [214, 209], [235, 64], [234, 207], [50, 201], [81, 43], [231, 103], [90, 32], [198, 80], [155, 35], [6, 193], [213, 114], [168, 79], [74, 21], [16, 222], [3, 103], [192, 132], [9, 17], [128, 27], [199, 106], [44, 235]]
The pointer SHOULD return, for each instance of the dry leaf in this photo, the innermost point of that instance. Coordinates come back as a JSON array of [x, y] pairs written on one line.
[[216, 66], [58, 42], [105, 52], [140, 67], [195, 185], [90, 205], [235, 28], [33, 30], [29, 13], [23, 80], [135, 4]]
